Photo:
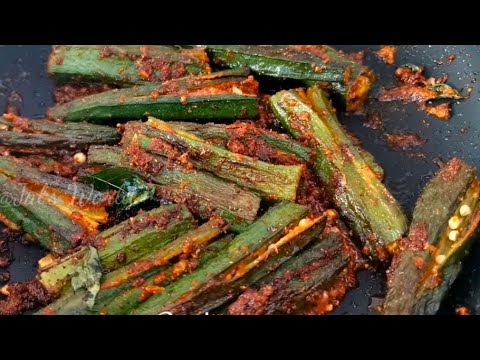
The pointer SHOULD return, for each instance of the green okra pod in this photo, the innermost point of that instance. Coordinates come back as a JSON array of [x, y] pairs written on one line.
[[201, 189], [274, 182], [215, 96], [125, 64], [136, 237], [288, 287], [348, 79], [427, 262], [362, 200], [24, 135], [248, 249]]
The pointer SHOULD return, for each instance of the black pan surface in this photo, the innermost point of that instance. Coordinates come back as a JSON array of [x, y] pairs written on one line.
[[22, 69]]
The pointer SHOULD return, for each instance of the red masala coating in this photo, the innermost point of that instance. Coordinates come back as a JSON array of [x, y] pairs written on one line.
[[322, 302], [186, 198], [432, 279], [141, 160], [407, 76], [148, 291], [187, 260], [416, 88], [264, 300], [404, 141], [4, 261], [161, 146], [157, 221], [106, 52], [182, 266], [243, 139], [252, 302], [165, 277], [451, 58], [462, 311], [5, 254], [138, 282], [419, 262], [23, 297], [357, 56], [158, 70], [441, 111], [66, 93], [317, 50], [196, 87], [407, 93], [4, 277], [267, 118], [387, 54], [416, 240], [14, 103], [17, 121], [246, 87], [450, 170], [311, 192], [301, 121], [374, 121], [63, 165], [275, 297], [121, 257]]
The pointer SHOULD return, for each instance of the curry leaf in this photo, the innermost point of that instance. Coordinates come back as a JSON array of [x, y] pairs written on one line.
[[131, 189], [87, 276], [445, 91], [110, 178]]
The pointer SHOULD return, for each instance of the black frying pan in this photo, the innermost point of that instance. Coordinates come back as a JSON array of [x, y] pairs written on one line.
[[22, 68]]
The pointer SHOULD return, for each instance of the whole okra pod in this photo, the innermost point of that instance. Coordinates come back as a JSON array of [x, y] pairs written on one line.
[[225, 95], [348, 79], [125, 64], [360, 197]]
